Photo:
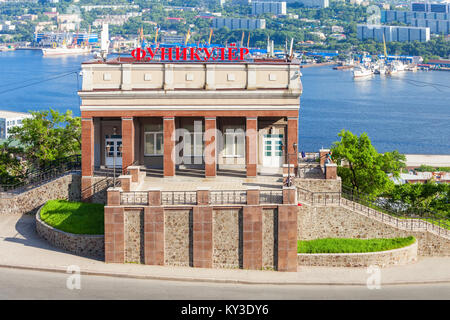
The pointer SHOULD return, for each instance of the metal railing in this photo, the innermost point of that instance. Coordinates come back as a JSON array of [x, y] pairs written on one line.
[[319, 198], [407, 220], [228, 197], [134, 198], [39, 176], [178, 197], [270, 196]]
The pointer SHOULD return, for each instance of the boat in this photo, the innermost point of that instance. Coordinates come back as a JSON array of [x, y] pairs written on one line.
[[361, 71], [411, 67], [65, 50]]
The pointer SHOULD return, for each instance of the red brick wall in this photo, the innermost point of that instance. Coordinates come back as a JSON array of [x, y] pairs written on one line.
[[202, 236], [252, 237]]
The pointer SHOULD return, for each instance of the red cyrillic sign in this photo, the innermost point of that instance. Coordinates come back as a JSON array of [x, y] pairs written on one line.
[[191, 54]]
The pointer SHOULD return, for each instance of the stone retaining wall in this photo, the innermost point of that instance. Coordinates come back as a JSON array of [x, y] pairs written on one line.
[[340, 222], [381, 259], [79, 244], [65, 187], [319, 185]]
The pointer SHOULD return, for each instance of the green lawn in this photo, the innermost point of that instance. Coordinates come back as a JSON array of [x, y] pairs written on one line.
[[74, 217], [338, 245]]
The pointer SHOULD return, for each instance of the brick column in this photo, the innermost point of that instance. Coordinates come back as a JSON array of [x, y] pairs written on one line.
[[330, 171], [252, 237], [290, 195], [127, 142], [135, 173], [154, 197], [154, 235], [210, 147], [251, 146], [323, 156], [292, 137], [87, 157], [169, 146], [202, 236], [125, 182], [253, 195], [287, 238], [203, 196], [114, 234]]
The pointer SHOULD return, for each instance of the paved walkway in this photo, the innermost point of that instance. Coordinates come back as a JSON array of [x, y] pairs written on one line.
[[21, 247]]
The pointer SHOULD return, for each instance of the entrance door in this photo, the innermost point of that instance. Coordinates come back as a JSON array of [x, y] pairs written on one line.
[[273, 151], [113, 144]]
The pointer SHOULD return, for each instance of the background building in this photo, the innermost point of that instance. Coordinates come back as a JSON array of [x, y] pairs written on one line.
[[239, 23], [261, 7], [312, 3], [8, 120], [435, 16], [393, 33]]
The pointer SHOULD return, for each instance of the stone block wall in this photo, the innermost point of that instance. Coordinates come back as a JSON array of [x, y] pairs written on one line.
[[340, 222], [28, 202], [319, 185], [249, 236]]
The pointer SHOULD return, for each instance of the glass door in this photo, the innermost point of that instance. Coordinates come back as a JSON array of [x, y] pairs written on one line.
[[112, 146], [273, 150]]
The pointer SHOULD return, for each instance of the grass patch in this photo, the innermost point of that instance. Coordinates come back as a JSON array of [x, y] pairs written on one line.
[[74, 217], [342, 245]]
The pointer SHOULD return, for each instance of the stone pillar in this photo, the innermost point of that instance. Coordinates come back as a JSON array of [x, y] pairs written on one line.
[[154, 235], [252, 237], [202, 236], [323, 156], [125, 182], [330, 171], [127, 142], [169, 146], [113, 196], [134, 172], [290, 195], [251, 146], [287, 238], [292, 138], [114, 234], [154, 197], [210, 147], [87, 157], [203, 196], [253, 195]]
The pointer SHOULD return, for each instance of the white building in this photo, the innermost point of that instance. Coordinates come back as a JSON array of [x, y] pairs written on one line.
[[239, 23], [261, 7], [8, 120], [393, 33], [311, 3]]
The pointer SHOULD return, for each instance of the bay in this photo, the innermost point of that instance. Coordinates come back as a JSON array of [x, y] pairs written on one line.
[[409, 111]]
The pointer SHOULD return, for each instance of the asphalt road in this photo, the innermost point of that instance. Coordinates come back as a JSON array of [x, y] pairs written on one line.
[[25, 284]]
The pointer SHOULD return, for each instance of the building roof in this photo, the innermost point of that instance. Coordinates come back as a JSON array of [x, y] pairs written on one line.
[[13, 114]]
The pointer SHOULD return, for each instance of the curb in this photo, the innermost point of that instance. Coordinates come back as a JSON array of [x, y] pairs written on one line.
[[210, 280]]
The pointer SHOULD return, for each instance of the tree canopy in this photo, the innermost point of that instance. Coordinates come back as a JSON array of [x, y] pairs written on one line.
[[362, 167], [49, 135]]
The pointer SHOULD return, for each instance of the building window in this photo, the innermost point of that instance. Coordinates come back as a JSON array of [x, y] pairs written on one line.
[[154, 143], [234, 143], [193, 144]]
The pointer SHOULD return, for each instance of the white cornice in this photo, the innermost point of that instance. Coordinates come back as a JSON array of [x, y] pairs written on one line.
[[193, 108]]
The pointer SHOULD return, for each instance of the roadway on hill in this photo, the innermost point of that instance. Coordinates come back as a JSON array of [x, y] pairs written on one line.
[[26, 284]]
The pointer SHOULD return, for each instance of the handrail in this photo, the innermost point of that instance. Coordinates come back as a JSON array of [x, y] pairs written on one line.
[[38, 176], [366, 205]]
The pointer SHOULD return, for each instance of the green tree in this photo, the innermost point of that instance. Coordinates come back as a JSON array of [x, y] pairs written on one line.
[[11, 166], [49, 135], [361, 166]]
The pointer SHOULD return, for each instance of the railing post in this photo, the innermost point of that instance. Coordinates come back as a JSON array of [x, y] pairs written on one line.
[[154, 197], [203, 196], [253, 195], [113, 196]]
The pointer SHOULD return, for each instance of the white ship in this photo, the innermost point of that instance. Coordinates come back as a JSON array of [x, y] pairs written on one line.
[[64, 50], [359, 72]]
